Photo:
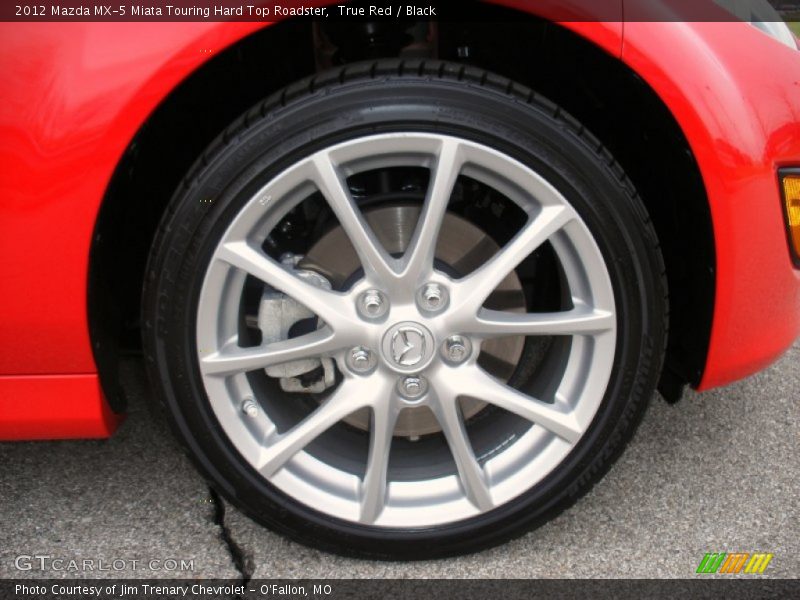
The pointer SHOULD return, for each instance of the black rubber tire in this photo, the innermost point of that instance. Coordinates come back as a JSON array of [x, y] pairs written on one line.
[[383, 96]]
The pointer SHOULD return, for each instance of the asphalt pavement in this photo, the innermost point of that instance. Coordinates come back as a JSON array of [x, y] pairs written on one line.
[[717, 472]]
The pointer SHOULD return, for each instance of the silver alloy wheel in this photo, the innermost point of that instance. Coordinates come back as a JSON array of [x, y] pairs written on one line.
[[477, 484]]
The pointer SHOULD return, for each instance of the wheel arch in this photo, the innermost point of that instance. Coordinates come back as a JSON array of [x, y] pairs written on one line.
[[164, 147], [223, 87]]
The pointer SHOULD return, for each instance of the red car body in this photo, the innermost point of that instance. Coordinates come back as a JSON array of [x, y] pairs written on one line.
[[75, 95]]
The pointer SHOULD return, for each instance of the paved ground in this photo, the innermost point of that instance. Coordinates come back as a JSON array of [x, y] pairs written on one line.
[[718, 472]]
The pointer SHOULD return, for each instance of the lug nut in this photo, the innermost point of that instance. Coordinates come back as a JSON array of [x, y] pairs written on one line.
[[432, 297], [360, 359], [413, 387], [456, 349], [372, 304], [250, 408]]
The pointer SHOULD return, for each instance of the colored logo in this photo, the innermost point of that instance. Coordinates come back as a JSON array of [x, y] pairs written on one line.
[[734, 562]]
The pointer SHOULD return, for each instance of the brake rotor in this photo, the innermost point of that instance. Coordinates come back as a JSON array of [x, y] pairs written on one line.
[[461, 248]]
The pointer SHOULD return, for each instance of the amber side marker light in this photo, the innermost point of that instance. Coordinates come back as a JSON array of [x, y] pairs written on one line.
[[791, 204]]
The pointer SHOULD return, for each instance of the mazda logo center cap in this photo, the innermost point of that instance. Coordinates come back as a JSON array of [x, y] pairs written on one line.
[[408, 347]]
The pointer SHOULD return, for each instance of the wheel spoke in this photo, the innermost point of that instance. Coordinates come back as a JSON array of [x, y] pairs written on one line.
[[329, 306], [343, 402], [233, 359], [376, 262], [481, 386], [373, 488], [470, 472], [420, 254], [581, 320], [484, 280]]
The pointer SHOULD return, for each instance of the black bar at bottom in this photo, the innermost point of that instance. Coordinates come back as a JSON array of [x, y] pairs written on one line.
[[384, 589]]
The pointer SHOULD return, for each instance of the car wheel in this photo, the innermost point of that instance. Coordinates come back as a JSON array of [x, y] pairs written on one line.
[[405, 310]]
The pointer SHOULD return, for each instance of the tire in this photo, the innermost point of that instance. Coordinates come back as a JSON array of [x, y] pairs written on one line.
[[529, 158]]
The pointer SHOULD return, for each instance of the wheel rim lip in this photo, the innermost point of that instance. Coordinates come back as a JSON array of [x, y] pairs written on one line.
[[427, 502]]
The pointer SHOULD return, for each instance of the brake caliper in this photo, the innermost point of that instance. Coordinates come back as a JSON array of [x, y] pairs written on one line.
[[281, 318]]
